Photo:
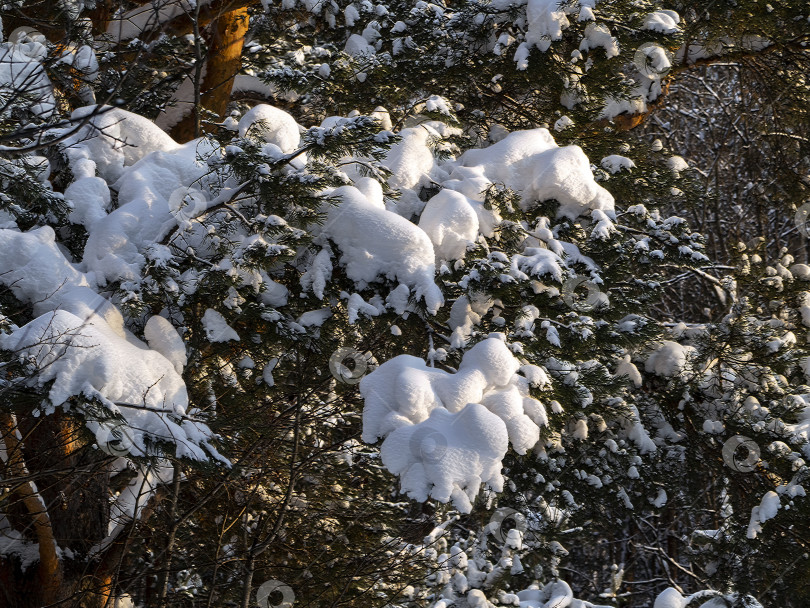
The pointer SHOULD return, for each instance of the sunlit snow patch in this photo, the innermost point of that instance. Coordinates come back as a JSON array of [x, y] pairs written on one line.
[[446, 434]]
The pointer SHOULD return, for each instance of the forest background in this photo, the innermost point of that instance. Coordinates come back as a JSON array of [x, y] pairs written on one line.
[[243, 242]]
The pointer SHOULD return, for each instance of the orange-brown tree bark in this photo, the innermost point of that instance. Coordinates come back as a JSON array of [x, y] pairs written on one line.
[[49, 572], [224, 38]]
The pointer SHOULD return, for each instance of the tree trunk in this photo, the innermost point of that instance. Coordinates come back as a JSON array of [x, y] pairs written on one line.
[[224, 39], [48, 572], [55, 498]]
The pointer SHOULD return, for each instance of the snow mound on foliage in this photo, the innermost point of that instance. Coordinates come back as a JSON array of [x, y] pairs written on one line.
[[111, 138], [446, 434], [357, 46], [448, 456], [88, 358], [90, 197], [37, 269], [670, 598], [530, 162], [615, 163], [273, 125], [665, 22], [22, 72], [112, 149], [545, 23], [765, 510], [77, 341], [412, 167], [149, 197], [554, 594], [670, 359], [162, 337], [375, 242], [451, 223], [216, 327]]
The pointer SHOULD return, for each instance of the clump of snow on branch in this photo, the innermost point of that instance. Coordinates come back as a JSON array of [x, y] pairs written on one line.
[[21, 71], [530, 162], [375, 242], [665, 22], [446, 434], [78, 342]]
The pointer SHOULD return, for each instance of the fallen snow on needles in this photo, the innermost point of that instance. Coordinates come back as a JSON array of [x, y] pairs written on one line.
[[446, 434]]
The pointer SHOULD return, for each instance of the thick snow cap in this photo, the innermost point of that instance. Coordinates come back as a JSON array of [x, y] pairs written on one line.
[[532, 163], [446, 434]]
